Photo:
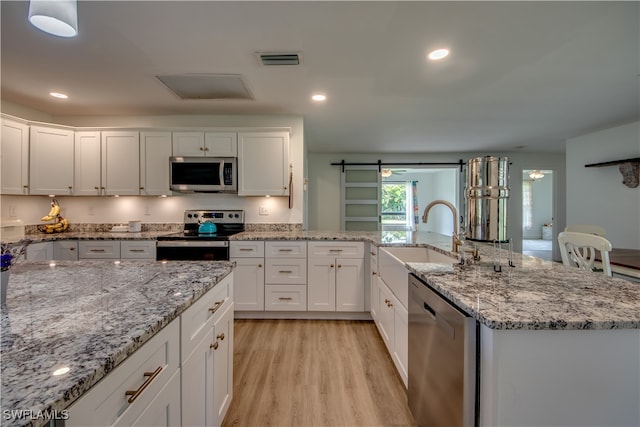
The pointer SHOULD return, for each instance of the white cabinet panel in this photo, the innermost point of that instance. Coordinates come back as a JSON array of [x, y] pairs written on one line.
[[66, 250], [138, 249], [87, 175], [14, 154], [222, 365], [285, 249], [164, 409], [286, 271], [42, 251], [349, 284], [121, 163], [246, 249], [285, 297], [263, 163], [99, 249], [51, 153], [249, 284], [321, 287], [205, 144], [155, 151]]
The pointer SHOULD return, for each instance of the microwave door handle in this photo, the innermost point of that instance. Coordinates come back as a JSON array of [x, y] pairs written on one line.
[[222, 173]]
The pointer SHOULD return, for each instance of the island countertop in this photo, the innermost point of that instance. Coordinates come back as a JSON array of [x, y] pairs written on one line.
[[88, 316]]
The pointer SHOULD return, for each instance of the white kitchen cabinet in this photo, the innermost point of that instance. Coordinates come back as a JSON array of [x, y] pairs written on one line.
[[285, 297], [373, 281], [51, 154], [98, 249], [207, 351], [155, 151], [205, 144], [65, 250], [14, 155], [87, 164], [285, 275], [138, 249], [42, 251], [120, 163], [336, 276], [263, 163], [249, 275], [107, 403], [393, 324]]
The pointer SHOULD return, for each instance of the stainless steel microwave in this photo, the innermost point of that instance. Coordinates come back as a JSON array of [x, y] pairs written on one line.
[[204, 174]]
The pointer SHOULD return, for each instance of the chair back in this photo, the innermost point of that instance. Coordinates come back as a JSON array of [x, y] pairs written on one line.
[[579, 250], [586, 228]]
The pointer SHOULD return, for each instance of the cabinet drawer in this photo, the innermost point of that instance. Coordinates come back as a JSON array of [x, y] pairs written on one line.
[[99, 249], [286, 271], [138, 249], [285, 297], [285, 248], [249, 249], [336, 249], [65, 250], [106, 402], [198, 319]]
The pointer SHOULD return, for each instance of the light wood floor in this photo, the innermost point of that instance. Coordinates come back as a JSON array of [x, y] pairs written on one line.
[[324, 373]]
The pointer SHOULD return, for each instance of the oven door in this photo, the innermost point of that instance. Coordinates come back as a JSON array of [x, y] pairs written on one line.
[[188, 250]]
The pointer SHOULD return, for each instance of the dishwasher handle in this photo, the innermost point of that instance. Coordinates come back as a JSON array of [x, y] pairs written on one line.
[[442, 323]]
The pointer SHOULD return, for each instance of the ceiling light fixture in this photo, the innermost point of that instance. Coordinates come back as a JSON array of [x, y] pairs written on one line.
[[319, 97], [536, 175], [385, 173], [57, 17], [438, 54], [58, 95]]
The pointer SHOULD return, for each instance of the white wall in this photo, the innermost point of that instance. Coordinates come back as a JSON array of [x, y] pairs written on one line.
[[156, 210], [596, 195], [324, 184]]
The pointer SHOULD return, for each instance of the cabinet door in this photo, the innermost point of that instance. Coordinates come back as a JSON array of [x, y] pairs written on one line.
[[121, 163], [197, 384], [249, 284], [222, 365], [401, 339], [223, 144], [87, 176], [321, 286], [14, 155], [51, 161], [155, 150], [164, 409], [138, 249], [66, 250], [42, 251], [386, 315], [263, 164], [349, 284], [188, 144]]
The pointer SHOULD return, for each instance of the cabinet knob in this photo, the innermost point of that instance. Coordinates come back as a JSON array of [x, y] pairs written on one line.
[[25, 186], [339, 265], [331, 266], [374, 273], [206, 148], [285, 188], [214, 345], [259, 265], [96, 188], [201, 148], [70, 187], [221, 337], [142, 188]]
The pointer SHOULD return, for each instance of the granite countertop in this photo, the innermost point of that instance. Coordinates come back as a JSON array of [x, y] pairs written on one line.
[[89, 316]]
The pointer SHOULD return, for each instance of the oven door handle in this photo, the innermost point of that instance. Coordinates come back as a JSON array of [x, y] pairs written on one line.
[[192, 244]]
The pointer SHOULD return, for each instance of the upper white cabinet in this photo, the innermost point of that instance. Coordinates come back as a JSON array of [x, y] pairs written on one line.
[[155, 150], [87, 179], [51, 152], [121, 163], [263, 163], [205, 144], [14, 154]]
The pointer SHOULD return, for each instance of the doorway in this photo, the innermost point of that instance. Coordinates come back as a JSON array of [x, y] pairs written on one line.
[[537, 213]]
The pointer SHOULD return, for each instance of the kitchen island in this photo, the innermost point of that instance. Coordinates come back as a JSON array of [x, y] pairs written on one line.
[[87, 316]]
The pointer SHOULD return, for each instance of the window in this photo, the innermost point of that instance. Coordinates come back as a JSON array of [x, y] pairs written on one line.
[[396, 206]]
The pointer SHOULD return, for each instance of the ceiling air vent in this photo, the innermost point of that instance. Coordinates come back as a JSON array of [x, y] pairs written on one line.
[[207, 86], [275, 58]]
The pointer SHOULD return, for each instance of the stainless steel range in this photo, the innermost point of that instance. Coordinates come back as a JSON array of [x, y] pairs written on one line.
[[196, 241]]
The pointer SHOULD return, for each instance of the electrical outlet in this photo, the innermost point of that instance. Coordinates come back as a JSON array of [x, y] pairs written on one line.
[[263, 210], [147, 211], [92, 211], [12, 211]]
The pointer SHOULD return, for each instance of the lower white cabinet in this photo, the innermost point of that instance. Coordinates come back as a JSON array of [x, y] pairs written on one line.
[[249, 274], [65, 250], [138, 249], [393, 323], [42, 251], [373, 280], [285, 297], [285, 276], [108, 403], [99, 249]]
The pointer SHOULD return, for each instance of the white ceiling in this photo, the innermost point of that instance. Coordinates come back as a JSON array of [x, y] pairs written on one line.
[[520, 74]]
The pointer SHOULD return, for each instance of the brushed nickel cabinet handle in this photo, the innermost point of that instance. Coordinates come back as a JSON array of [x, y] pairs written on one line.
[[96, 250], [214, 345], [217, 305], [142, 188], [136, 250], [245, 249], [335, 250], [285, 271], [150, 377], [285, 250], [285, 298]]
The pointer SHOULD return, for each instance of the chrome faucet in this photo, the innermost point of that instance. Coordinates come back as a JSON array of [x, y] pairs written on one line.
[[455, 241]]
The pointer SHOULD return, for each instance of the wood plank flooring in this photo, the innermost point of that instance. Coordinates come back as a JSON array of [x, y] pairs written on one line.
[[320, 373]]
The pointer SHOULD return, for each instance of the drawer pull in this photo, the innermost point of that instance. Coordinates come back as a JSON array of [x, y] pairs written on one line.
[[214, 345], [96, 250], [150, 377], [285, 298], [285, 250], [221, 337], [217, 305], [285, 271], [72, 249], [374, 273], [246, 249], [335, 250], [136, 250]]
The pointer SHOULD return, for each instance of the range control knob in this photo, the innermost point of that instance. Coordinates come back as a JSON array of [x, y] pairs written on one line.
[[237, 216]]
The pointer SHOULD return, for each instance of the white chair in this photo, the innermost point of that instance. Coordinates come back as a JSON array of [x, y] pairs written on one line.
[[586, 228], [579, 250]]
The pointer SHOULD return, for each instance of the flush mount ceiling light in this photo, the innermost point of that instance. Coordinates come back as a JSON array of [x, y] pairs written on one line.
[[57, 17], [536, 175], [438, 54], [385, 173], [318, 97], [58, 95]]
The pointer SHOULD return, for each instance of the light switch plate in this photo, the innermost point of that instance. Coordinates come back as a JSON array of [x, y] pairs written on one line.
[[263, 211]]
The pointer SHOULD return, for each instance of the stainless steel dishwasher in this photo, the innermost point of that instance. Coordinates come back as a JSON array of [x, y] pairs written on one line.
[[442, 360]]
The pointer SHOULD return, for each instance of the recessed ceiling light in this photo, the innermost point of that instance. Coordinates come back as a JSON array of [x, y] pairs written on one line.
[[438, 54], [319, 97], [58, 95]]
